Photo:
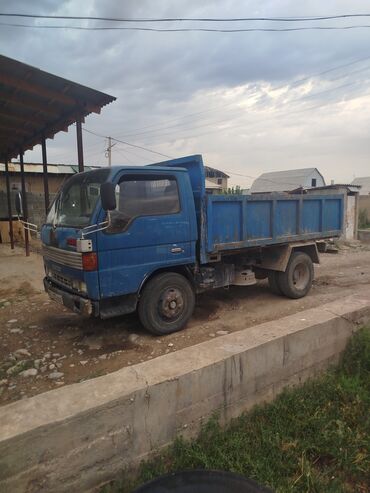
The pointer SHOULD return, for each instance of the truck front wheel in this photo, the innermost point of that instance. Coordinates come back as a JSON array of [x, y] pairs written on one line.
[[296, 281], [166, 304]]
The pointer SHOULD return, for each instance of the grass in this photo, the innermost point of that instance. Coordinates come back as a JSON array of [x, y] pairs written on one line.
[[314, 438], [363, 219]]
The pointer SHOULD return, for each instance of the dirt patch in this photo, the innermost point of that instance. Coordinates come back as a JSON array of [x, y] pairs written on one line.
[[37, 334], [24, 289]]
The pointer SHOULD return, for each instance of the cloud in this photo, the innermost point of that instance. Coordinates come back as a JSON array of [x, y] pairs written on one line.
[[242, 123]]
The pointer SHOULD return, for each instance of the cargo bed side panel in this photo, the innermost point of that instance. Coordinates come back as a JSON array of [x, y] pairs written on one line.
[[242, 221]]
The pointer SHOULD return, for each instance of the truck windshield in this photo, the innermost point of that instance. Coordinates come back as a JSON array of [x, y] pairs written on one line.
[[77, 199]]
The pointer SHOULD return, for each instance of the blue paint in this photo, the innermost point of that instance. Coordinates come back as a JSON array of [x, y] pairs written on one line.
[[205, 225], [259, 220]]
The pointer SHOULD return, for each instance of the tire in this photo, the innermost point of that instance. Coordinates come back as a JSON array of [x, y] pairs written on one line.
[[166, 304], [296, 281], [274, 282]]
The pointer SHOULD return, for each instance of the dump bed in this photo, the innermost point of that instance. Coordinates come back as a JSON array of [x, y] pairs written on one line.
[[232, 222], [241, 221]]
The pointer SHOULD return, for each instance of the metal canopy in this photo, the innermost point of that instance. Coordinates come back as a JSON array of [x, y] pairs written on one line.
[[35, 105]]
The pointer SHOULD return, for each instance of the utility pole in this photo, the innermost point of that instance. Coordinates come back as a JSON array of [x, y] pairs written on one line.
[[108, 152]]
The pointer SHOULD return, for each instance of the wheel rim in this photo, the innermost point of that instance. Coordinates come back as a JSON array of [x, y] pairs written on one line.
[[171, 304], [301, 276]]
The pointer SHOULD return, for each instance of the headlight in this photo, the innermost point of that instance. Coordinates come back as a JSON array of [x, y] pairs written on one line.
[[79, 286], [83, 287]]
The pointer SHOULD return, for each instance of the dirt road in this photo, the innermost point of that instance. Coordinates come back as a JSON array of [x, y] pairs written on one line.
[[44, 346]]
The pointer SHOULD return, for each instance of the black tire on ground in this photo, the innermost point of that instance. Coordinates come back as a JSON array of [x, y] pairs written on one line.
[[274, 282], [296, 281], [166, 304]]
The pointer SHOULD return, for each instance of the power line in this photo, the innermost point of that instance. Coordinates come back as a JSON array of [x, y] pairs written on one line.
[[192, 126], [190, 29], [142, 158], [219, 108], [226, 120], [262, 121], [126, 143], [189, 19], [120, 151]]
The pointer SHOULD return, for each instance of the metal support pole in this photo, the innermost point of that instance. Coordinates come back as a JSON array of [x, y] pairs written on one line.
[[45, 174], [9, 204], [109, 151], [24, 204], [80, 153]]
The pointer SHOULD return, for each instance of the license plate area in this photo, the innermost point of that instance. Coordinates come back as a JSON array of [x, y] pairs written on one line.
[[56, 297]]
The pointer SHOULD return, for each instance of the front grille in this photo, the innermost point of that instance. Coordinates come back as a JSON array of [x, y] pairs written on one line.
[[65, 281], [64, 257]]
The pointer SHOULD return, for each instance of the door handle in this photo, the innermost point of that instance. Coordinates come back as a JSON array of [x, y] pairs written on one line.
[[177, 250]]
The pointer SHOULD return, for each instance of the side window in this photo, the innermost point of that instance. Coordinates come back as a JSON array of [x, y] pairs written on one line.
[[144, 196]]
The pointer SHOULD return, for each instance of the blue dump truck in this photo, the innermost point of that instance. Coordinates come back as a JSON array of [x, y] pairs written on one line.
[[149, 239]]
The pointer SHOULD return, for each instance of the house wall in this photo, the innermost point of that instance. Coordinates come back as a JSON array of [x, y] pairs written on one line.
[[34, 183], [364, 204], [319, 180], [278, 183], [215, 180], [36, 206]]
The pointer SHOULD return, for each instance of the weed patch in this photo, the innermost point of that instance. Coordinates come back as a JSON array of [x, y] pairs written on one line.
[[310, 439]]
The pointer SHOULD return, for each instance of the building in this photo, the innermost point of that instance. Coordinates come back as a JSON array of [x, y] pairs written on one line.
[[286, 181], [364, 182], [57, 174], [34, 181], [216, 180], [364, 202]]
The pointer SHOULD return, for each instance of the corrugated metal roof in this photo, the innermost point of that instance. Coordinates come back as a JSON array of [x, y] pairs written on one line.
[[281, 181], [213, 172], [34, 103], [364, 181], [53, 169]]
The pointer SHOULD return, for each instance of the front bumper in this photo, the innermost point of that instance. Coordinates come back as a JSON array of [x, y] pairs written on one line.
[[76, 303]]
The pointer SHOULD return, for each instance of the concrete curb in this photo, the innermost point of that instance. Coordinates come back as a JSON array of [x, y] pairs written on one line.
[[77, 437]]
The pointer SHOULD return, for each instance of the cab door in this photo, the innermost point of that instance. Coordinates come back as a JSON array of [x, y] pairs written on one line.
[[150, 229]]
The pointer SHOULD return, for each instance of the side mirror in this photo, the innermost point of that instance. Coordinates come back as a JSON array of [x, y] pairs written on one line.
[[108, 196], [18, 204]]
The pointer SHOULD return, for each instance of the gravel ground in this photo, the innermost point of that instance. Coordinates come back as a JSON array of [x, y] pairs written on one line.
[[44, 346]]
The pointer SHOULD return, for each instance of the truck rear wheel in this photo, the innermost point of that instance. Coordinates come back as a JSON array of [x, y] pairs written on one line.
[[296, 281], [166, 304], [274, 282]]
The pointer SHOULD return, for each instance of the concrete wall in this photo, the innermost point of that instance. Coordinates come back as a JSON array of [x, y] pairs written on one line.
[[350, 230], [364, 204], [34, 182], [77, 437], [36, 206]]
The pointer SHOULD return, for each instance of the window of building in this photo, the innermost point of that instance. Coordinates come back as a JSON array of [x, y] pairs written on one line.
[[219, 181], [144, 196], [313, 182]]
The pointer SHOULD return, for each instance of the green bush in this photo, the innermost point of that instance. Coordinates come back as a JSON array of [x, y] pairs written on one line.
[[363, 219]]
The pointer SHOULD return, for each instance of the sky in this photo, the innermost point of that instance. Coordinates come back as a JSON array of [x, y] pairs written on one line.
[[249, 102]]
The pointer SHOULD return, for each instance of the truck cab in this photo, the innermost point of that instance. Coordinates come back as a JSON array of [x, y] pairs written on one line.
[[98, 270]]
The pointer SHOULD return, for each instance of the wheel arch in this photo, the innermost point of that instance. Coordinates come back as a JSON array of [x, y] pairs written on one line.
[[310, 249], [184, 270], [276, 257]]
